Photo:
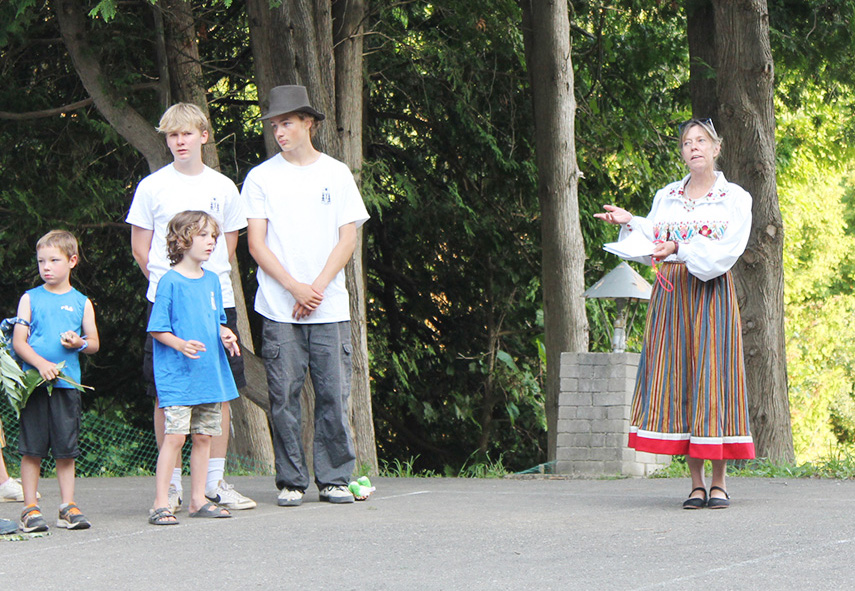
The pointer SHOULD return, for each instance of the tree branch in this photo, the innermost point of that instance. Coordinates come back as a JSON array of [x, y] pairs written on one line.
[[65, 108]]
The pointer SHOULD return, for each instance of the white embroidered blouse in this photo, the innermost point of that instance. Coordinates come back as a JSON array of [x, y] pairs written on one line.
[[712, 231]]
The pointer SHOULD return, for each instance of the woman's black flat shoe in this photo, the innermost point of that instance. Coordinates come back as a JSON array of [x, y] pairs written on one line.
[[694, 502], [717, 503]]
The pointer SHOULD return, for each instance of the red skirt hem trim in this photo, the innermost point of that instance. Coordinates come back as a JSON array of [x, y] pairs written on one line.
[[684, 447]]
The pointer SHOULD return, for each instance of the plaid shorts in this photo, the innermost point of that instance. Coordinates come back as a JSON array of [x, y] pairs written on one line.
[[204, 419]]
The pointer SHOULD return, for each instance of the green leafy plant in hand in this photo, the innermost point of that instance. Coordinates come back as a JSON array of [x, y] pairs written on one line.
[[18, 385], [12, 380]]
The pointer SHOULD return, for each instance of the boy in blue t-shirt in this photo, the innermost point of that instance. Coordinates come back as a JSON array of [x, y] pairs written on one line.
[[192, 382], [61, 325]]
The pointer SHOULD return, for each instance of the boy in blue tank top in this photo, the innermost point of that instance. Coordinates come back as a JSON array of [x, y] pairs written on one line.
[[191, 370], [61, 325]]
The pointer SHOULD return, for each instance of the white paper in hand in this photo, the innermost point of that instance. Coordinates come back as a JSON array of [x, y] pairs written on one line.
[[632, 247]]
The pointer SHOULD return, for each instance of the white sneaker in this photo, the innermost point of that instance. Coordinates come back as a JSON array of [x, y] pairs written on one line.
[[173, 499], [226, 496], [290, 498], [335, 494], [11, 491]]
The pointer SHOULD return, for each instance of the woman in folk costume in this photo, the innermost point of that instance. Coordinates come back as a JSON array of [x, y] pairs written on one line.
[[690, 396]]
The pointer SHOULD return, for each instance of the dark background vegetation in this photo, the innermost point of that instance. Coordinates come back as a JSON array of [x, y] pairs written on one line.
[[452, 249]]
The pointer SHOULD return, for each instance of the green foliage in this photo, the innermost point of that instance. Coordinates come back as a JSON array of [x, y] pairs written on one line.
[[398, 468], [11, 380], [838, 463], [453, 247], [486, 469], [815, 178], [453, 250]]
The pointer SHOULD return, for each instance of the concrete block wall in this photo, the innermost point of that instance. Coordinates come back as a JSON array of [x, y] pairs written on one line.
[[593, 417]]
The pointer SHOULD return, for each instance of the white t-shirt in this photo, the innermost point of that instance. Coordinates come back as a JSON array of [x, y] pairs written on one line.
[[712, 231], [167, 192], [304, 207]]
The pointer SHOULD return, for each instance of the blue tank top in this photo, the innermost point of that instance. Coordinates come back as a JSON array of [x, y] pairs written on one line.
[[51, 315]]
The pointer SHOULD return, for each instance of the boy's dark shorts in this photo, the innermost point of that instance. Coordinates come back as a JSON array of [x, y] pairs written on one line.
[[50, 423], [235, 362]]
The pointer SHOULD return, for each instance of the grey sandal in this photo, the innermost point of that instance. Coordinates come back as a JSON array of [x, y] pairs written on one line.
[[162, 516]]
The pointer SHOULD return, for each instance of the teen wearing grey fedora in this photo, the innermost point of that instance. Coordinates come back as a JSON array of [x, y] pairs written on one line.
[[290, 99], [303, 209]]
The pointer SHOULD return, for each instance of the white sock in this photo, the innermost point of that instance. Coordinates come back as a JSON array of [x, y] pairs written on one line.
[[176, 479], [216, 472]]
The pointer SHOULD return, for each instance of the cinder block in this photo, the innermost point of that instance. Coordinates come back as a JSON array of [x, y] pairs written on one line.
[[579, 454], [605, 454], [568, 385], [585, 385], [645, 458], [578, 426], [565, 411], [590, 468], [563, 467], [628, 454], [609, 426], [586, 372], [613, 467], [612, 412], [599, 358], [620, 385], [591, 412], [601, 384], [614, 440], [581, 399], [563, 439], [564, 454], [634, 469], [597, 439], [610, 398], [569, 358]]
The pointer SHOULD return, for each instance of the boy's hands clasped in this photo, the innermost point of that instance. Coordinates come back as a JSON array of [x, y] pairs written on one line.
[[308, 299]]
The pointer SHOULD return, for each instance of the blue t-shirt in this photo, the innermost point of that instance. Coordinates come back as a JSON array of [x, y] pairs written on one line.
[[51, 315], [191, 309]]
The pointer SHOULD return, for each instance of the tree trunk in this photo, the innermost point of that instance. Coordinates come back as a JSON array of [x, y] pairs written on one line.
[[702, 59], [182, 56], [250, 425], [250, 429], [293, 44], [124, 119], [348, 16], [546, 32], [186, 80], [747, 122]]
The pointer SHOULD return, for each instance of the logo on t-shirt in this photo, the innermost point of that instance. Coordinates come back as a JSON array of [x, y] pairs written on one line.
[[67, 308], [213, 302], [216, 206], [325, 196]]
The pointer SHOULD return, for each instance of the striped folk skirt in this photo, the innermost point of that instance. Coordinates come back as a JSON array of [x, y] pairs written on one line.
[[690, 394]]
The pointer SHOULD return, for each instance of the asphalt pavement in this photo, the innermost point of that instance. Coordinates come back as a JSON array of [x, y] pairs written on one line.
[[448, 534]]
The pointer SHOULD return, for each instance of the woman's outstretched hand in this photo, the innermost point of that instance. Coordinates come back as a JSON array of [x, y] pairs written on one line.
[[614, 215]]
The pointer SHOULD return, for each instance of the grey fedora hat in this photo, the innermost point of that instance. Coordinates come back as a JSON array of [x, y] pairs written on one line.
[[288, 99]]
